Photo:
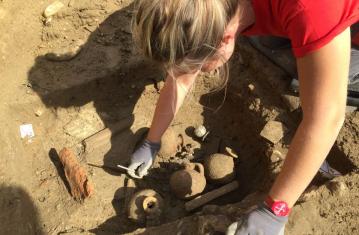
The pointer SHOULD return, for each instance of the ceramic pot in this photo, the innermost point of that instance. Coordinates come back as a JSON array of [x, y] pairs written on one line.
[[143, 204], [189, 182], [169, 142], [219, 168]]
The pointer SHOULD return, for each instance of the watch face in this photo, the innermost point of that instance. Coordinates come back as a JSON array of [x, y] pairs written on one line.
[[280, 208]]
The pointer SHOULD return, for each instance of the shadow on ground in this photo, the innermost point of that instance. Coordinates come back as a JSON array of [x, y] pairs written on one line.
[[18, 214]]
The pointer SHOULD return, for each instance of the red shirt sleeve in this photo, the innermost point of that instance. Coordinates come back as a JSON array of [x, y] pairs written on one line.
[[316, 23]]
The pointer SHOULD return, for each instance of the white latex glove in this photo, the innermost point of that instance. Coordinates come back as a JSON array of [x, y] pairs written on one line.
[[142, 159]]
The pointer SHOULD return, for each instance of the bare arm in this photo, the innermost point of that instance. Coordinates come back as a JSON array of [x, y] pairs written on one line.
[[323, 90], [170, 100]]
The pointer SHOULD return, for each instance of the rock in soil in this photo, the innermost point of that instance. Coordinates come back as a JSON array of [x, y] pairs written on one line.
[[292, 102], [277, 154], [53, 8], [273, 131]]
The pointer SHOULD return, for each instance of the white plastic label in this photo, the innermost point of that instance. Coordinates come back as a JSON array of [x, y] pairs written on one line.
[[26, 130]]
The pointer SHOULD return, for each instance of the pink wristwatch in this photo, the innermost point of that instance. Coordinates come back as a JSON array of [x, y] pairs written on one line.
[[279, 208]]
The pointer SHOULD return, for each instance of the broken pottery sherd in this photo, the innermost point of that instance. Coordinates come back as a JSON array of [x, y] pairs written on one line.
[[273, 131]]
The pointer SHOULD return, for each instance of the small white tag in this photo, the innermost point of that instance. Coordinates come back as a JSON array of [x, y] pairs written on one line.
[[26, 130]]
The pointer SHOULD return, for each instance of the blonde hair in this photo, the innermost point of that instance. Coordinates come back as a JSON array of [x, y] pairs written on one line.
[[181, 34]]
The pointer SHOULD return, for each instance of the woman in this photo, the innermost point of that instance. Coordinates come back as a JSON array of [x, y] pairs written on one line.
[[189, 36]]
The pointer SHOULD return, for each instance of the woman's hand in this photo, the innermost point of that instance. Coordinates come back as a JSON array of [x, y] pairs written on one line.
[[323, 85], [142, 159], [259, 221]]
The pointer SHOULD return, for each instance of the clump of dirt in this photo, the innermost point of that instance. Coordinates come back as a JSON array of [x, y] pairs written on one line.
[[105, 81]]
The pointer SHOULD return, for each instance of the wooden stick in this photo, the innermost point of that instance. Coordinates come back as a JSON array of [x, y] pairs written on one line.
[[103, 137], [205, 198], [76, 175]]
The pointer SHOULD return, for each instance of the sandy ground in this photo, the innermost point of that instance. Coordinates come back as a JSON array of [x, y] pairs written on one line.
[[108, 81]]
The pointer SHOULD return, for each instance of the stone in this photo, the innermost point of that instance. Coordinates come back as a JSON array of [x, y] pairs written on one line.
[[79, 128], [277, 154], [48, 21], [251, 87], [53, 8], [219, 168], [39, 112], [85, 124], [292, 102], [273, 131]]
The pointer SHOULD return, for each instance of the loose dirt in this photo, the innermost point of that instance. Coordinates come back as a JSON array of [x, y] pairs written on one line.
[[78, 73]]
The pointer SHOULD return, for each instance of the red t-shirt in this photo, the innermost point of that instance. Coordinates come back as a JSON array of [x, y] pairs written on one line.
[[309, 24]]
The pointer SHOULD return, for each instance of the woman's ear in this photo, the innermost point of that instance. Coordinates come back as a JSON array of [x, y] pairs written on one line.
[[227, 38]]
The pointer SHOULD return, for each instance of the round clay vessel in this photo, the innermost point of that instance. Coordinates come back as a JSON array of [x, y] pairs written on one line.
[[169, 143], [189, 182], [219, 168], [145, 203]]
